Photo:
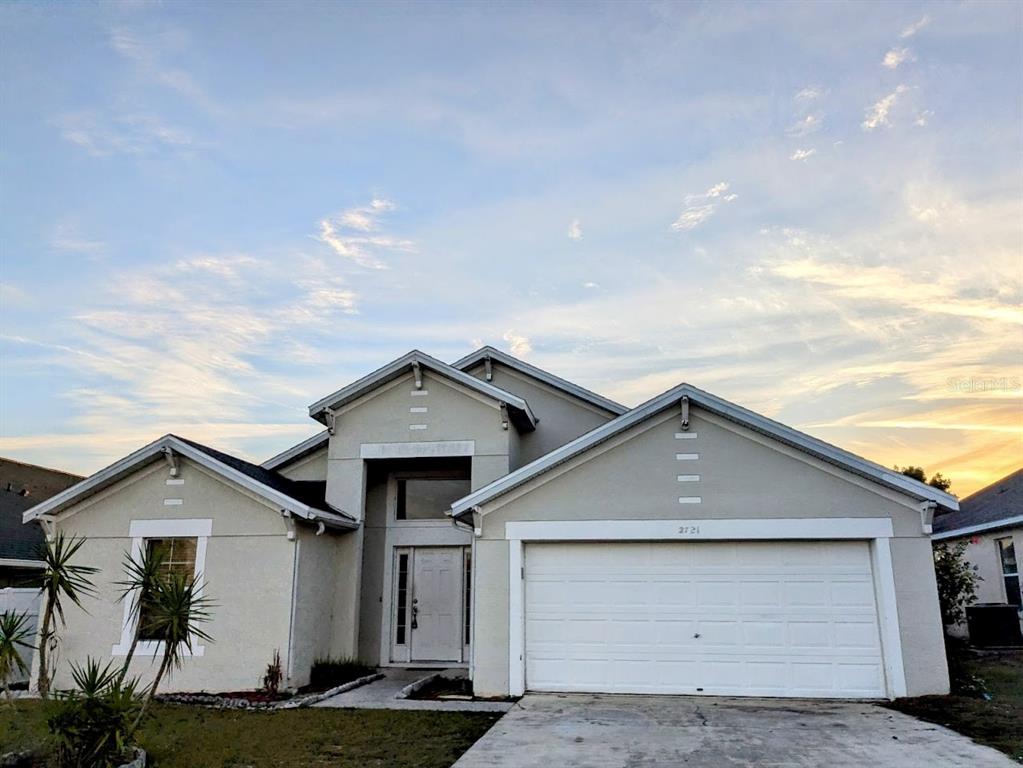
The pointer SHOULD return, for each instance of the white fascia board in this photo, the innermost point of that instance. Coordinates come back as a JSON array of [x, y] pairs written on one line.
[[13, 562], [308, 445], [152, 452], [756, 422], [993, 525], [400, 366], [546, 377]]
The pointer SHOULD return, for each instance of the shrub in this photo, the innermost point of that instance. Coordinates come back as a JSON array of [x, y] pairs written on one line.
[[94, 723], [328, 673], [957, 581], [274, 675]]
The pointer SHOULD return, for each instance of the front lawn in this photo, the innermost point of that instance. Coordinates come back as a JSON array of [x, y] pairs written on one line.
[[997, 722], [190, 737]]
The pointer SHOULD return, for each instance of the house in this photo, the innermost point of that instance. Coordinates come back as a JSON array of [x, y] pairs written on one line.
[[991, 521], [22, 486], [490, 515]]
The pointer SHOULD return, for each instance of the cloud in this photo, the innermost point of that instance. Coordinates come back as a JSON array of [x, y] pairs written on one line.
[[803, 154], [897, 56], [915, 27], [66, 237], [804, 126], [923, 117], [878, 114], [518, 345], [148, 54], [348, 235], [102, 135], [810, 93], [696, 209], [575, 230], [590, 284]]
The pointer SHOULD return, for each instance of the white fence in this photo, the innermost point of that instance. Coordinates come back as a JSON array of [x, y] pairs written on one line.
[[18, 600]]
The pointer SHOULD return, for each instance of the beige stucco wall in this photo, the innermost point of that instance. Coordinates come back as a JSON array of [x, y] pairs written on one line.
[[742, 475], [982, 551], [319, 561], [311, 467], [249, 562], [562, 416]]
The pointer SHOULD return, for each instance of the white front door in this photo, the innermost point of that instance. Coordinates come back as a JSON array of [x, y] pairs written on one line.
[[781, 618], [436, 606]]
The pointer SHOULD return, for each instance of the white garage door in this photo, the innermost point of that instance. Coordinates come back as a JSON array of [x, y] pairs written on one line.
[[725, 618]]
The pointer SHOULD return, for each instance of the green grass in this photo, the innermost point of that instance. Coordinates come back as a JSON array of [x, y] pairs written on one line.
[[192, 737], [998, 722]]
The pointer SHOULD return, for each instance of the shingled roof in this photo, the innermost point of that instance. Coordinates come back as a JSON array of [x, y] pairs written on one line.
[[999, 505]]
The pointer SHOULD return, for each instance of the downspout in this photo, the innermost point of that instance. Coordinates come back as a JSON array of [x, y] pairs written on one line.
[[291, 535]]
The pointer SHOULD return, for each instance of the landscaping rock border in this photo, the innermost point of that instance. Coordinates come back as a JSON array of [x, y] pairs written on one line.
[[140, 760], [415, 685], [212, 701]]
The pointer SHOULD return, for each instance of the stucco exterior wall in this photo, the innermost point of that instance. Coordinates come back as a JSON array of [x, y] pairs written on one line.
[[311, 467], [249, 562], [316, 582], [982, 551], [562, 416], [742, 475]]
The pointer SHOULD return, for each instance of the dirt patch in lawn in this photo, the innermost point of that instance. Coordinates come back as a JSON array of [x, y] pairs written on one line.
[[187, 737], [994, 719]]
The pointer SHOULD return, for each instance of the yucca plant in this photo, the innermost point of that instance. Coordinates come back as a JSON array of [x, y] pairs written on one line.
[[140, 586], [177, 610], [14, 632], [94, 722], [61, 579]]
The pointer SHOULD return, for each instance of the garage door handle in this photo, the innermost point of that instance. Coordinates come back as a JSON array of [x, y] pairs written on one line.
[[696, 635]]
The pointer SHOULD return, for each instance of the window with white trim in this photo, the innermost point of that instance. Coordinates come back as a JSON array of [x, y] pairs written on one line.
[[1010, 571]]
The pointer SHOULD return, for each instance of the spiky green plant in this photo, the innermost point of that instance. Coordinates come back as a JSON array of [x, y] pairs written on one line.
[[140, 585], [175, 616], [14, 632], [61, 579], [94, 722]]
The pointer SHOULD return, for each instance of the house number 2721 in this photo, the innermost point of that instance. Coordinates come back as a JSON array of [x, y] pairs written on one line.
[[689, 530]]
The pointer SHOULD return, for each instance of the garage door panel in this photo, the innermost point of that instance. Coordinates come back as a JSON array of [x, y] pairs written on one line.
[[731, 618]]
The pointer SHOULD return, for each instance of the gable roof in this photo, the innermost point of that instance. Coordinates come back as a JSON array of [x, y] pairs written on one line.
[[999, 505], [732, 412], [296, 452], [481, 354], [518, 409], [22, 486], [301, 499]]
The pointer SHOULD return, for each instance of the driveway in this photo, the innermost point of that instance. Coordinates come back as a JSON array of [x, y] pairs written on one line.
[[577, 731]]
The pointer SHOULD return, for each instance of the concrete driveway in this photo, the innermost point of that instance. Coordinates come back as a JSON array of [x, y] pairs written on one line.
[[568, 731]]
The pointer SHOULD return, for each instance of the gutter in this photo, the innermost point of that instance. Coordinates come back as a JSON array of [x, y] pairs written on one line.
[[1006, 522]]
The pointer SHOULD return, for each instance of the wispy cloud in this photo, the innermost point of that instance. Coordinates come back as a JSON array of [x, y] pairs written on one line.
[[915, 27], [67, 237], [148, 53], [349, 235], [810, 93], [696, 209], [806, 125], [518, 345], [575, 230], [923, 117], [896, 57], [878, 114], [132, 134], [803, 154]]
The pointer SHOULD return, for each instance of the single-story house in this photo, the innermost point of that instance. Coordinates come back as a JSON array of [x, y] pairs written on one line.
[[991, 522], [489, 515]]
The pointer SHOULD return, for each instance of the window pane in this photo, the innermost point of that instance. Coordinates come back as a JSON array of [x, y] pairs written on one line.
[[177, 556], [1012, 594], [429, 498], [1008, 553], [399, 633]]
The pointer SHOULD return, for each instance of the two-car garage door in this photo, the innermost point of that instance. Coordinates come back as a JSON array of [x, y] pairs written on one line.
[[728, 618]]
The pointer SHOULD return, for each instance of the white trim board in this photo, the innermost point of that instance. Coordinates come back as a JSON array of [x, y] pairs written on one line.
[[423, 449], [994, 525], [878, 531]]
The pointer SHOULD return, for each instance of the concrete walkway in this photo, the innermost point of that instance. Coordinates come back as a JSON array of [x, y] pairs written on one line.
[[577, 731], [382, 694]]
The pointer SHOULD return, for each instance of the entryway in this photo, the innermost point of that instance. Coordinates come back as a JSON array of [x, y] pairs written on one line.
[[431, 599]]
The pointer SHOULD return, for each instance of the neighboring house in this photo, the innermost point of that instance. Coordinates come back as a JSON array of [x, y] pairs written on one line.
[[991, 521], [490, 515], [22, 486]]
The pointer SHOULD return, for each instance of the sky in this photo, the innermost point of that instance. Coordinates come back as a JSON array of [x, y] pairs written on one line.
[[215, 214]]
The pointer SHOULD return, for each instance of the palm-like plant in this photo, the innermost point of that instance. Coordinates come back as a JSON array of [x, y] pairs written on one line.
[[177, 610], [14, 632], [140, 587], [61, 579]]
